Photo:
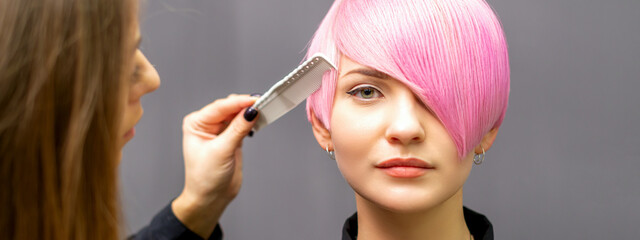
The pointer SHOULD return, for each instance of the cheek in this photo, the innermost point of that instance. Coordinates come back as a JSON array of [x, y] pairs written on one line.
[[353, 132], [452, 172], [355, 135], [132, 111], [135, 91], [457, 171], [130, 103]]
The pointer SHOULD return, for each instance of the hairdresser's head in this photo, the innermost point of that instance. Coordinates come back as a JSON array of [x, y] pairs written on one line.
[[416, 78], [70, 82]]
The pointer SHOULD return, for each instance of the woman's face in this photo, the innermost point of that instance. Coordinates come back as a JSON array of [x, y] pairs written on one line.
[[390, 148], [144, 79]]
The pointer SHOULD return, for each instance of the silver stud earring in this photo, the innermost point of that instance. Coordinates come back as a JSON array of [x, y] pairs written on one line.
[[332, 154], [479, 158]]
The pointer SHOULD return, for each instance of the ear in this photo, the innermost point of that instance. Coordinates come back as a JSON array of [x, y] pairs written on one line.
[[487, 141], [323, 136]]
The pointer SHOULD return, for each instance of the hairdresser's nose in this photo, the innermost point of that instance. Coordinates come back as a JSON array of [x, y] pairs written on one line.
[[150, 78], [405, 126]]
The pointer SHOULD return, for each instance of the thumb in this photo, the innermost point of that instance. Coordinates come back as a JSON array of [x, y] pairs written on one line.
[[238, 128]]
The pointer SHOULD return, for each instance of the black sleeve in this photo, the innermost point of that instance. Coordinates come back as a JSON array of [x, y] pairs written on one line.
[[166, 226]]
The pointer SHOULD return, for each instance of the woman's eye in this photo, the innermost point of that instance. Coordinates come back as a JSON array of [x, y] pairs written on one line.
[[365, 92]]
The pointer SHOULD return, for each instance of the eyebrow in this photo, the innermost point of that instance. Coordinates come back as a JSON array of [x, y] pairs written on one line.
[[368, 72]]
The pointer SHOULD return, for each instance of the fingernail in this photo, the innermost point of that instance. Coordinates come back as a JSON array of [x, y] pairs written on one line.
[[255, 95], [251, 133], [250, 114]]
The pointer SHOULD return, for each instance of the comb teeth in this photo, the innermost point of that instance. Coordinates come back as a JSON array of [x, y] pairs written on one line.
[[291, 90]]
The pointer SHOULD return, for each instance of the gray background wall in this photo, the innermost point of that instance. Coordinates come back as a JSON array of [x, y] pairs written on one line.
[[565, 164]]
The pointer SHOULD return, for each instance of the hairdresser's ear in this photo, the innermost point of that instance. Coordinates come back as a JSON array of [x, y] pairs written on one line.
[[487, 141], [323, 136]]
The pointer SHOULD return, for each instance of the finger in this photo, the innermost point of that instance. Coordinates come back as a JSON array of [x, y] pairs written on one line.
[[237, 130], [224, 109]]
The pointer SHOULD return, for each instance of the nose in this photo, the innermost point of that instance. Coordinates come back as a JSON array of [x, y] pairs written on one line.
[[405, 126], [150, 78]]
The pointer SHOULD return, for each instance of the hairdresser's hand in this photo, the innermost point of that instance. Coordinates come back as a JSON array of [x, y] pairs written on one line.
[[212, 140]]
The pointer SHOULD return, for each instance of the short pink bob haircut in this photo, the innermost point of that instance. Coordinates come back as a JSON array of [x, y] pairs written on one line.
[[451, 53]]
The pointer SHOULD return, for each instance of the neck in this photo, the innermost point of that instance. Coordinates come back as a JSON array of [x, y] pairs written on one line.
[[444, 221]]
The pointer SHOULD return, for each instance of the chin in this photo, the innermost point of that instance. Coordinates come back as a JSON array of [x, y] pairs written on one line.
[[407, 199], [406, 202]]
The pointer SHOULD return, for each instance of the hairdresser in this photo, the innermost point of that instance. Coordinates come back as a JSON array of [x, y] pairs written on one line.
[[71, 79]]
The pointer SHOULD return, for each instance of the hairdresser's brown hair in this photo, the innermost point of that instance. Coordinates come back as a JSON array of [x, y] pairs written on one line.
[[63, 69]]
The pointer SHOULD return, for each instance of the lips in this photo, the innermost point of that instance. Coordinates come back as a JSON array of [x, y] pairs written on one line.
[[404, 167], [129, 134]]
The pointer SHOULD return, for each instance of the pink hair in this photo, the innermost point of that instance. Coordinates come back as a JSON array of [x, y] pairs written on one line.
[[452, 54]]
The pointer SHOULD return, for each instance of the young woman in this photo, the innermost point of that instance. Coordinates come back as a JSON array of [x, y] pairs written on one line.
[[71, 79], [419, 95]]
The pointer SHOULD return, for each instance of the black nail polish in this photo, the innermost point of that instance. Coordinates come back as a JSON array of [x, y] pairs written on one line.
[[255, 95], [251, 133], [250, 114]]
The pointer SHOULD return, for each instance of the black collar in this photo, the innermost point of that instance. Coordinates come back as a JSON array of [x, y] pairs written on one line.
[[478, 224]]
